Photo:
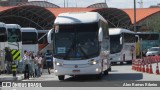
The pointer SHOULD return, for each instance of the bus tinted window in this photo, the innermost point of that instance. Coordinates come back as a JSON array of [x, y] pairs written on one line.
[[79, 41], [115, 45], [3, 34], [14, 35], [128, 37], [29, 38], [149, 36]]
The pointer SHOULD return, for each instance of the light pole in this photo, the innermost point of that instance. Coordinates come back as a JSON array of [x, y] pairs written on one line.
[[135, 16], [64, 3]]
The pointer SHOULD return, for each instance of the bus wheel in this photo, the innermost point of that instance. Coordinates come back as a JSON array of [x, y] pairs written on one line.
[[106, 72], [129, 62], [109, 69], [99, 76], [61, 77]]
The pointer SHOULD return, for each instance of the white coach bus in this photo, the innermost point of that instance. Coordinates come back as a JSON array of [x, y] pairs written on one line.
[[15, 40], [30, 40], [3, 44], [80, 44], [122, 42], [3, 36]]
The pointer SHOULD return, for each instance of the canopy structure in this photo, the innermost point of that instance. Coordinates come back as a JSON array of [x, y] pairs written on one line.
[[41, 15], [41, 4], [28, 16], [115, 17]]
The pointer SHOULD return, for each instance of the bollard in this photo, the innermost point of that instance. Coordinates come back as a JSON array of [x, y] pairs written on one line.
[[14, 68]]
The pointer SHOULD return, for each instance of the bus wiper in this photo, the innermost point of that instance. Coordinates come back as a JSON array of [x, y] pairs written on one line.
[[70, 49], [85, 55]]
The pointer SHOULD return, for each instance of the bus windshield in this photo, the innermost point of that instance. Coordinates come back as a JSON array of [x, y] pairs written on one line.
[[115, 44], [3, 34], [78, 42], [14, 35], [29, 38]]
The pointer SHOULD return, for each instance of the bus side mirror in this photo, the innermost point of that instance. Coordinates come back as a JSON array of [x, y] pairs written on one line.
[[49, 35], [100, 35], [120, 40]]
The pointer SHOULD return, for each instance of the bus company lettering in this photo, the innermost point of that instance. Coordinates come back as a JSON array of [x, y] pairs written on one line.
[[26, 84]]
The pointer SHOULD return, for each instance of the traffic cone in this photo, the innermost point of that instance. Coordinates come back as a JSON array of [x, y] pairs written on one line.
[[157, 69], [143, 68], [140, 67], [147, 69], [150, 70]]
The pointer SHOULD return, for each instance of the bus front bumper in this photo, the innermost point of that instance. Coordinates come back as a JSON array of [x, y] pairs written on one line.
[[90, 70]]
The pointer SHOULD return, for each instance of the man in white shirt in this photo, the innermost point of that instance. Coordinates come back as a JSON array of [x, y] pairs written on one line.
[[39, 64], [27, 66]]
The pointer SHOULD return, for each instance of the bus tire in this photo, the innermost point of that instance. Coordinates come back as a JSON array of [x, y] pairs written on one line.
[[109, 69], [129, 62], [106, 72], [99, 76], [61, 77]]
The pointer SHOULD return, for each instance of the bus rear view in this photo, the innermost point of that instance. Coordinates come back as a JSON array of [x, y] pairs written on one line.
[[81, 44], [30, 40]]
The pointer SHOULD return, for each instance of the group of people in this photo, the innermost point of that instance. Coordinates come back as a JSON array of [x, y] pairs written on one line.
[[38, 61]]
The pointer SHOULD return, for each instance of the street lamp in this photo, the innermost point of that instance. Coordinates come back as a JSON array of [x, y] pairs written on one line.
[[64, 3], [135, 16]]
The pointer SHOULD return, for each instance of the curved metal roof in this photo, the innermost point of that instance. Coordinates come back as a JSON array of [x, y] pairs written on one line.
[[43, 18], [115, 17], [98, 5], [28, 16], [141, 14], [41, 4]]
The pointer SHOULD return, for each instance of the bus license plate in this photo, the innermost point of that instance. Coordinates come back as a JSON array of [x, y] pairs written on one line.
[[76, 71]]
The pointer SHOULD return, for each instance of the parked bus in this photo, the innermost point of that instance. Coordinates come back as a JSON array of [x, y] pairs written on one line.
[[14, 37], [80, 44], [42, 39], [3, 44], [3, 35], [30, 40], [122, 42], [148, 40]]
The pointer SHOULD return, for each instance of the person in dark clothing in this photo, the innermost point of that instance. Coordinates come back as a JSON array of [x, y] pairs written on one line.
[[8, 59], [48, 58]]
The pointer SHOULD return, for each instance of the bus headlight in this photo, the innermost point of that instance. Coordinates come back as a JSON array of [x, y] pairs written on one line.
[[93, 62], [59, 64]]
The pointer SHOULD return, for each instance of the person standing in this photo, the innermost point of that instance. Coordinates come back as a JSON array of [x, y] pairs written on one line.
[[27, 64], [39, 64], [48, 58], [9, 59], [36, 66]]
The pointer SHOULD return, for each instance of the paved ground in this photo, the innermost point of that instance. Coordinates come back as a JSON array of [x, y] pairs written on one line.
[[118, 73]]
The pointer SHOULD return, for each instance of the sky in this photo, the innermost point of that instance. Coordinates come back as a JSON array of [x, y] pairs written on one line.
[[110, 3]]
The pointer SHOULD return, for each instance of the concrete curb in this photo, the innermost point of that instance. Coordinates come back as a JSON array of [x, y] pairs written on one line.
[[11, 78]]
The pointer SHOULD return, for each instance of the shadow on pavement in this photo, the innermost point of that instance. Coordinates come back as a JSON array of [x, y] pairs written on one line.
[[123, 76], [110, 77]]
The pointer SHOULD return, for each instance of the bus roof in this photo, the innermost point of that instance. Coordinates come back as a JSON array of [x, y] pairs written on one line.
[[116, 31], [28, 29], [147, 33], [42, 31], [78, 17], [2, 24], [13, 26]]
